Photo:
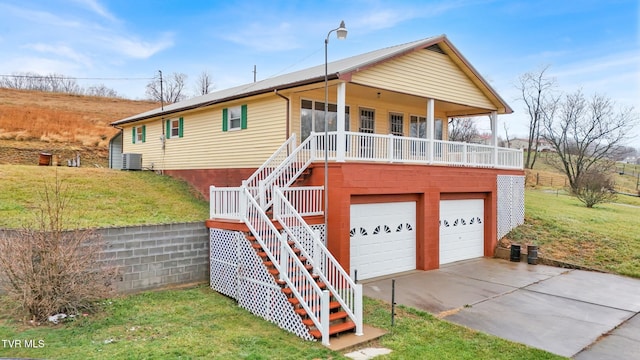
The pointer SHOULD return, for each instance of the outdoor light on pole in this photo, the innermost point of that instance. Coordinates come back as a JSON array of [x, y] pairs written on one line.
[[341, 33]]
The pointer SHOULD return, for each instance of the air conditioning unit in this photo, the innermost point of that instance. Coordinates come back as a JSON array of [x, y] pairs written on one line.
[[131, 161]]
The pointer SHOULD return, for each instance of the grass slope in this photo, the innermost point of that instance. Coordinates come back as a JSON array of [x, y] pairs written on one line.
[[99, 197], [202, 324], [605, 237]]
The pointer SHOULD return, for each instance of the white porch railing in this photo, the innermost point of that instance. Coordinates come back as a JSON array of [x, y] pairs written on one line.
[[325, 265], [400, 149], [313, 300], [307, 200], [227, 203], [267, 169]]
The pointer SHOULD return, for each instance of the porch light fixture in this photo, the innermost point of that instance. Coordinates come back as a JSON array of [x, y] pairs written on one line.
[[341, 33]]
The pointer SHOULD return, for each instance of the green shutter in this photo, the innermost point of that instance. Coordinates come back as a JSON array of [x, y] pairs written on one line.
[[243, 119], [133, 135], [144, 133], [225, 118], [180, 126], [168, 133]]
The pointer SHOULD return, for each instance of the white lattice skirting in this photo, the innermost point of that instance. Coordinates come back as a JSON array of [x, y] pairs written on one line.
[[510, 203], [238, 272]]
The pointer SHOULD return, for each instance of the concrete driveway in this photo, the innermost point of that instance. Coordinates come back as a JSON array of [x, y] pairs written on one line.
[[573, 313]]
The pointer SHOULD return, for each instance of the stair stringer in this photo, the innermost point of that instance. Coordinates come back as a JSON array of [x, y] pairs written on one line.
[[256, 289]]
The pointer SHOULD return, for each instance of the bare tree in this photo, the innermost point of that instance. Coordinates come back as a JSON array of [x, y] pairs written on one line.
[[586, 134], [172, 88], [537, 90], [506, 135], [462, 129], [101, 90], [204, 84]]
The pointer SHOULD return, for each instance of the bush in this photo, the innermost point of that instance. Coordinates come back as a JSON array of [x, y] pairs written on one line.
[[46, 270], [594, 187]]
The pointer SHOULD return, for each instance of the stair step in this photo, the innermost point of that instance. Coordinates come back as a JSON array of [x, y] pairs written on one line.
[[335, 329], [332, 305], [288, 291], [313, 276], [269, 263], [332, 317], [263, 254]]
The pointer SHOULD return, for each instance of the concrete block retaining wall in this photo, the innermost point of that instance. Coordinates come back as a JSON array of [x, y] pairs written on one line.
[[157, 256]]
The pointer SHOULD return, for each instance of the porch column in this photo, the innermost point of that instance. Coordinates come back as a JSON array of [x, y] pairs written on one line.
[[430, 127], [340, 138], [494, 136]]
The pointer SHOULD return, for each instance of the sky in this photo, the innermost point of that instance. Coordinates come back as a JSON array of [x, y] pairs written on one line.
[[592, 45]]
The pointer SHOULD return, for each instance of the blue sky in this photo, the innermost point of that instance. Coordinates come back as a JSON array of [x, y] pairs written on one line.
[[591, 45]]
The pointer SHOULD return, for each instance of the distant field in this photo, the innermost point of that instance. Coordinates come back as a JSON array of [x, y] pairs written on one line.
[[63, 118]]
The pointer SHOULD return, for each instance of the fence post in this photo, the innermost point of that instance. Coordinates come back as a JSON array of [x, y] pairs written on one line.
[[262, 194]]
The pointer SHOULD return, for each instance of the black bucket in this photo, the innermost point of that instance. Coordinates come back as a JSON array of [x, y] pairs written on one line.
[[515, 253], [532, 254]]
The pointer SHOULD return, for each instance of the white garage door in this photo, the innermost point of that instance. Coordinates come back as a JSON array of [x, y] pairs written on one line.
[[461, 230], [383, 238]]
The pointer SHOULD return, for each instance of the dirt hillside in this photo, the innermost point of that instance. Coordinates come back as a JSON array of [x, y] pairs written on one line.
[[33, 122]]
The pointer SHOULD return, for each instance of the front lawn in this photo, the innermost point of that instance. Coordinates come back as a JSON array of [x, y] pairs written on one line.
[[199, 323], [605, 237]]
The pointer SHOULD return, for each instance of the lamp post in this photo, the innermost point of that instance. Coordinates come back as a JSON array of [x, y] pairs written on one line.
[[341, 33]]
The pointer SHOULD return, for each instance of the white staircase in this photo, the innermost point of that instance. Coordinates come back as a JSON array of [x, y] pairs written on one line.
[[319, 289]]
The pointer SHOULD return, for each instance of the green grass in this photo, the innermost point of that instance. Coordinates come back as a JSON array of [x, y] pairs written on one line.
[[99, 197], [199, 323], [605, 237]]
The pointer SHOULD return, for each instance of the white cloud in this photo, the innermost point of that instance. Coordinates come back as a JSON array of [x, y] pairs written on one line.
[[270, 37], [60, 50], [135, 48], [97, 8]]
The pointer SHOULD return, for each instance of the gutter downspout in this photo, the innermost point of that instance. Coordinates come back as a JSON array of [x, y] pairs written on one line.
[[122, 137], [288, 104]]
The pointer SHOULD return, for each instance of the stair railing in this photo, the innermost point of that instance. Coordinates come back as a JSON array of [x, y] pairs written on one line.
[[313, 300], [325, 265], [272, 163], [288, 171]]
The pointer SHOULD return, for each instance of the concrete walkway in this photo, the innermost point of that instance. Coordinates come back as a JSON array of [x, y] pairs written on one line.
[[573, 313]]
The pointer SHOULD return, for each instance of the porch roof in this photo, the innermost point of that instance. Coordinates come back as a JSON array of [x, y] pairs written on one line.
[[340, 69]]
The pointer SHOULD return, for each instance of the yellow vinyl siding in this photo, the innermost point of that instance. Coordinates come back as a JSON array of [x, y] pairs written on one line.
[[428, 74], [204, 144], [355, 100]]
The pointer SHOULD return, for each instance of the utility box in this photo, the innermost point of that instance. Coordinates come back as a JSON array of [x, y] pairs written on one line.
[[131, 161]]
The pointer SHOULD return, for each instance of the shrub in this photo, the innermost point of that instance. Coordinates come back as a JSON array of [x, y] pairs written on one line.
[[46, 270], [594, 187]]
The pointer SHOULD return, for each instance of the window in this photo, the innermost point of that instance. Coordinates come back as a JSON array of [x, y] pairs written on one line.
[[397, 124], [418, 127], [367, 121], [174, 128], [139, 134], [234, 118], [312, 117]]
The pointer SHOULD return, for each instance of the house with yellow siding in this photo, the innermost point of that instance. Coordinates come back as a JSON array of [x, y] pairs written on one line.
[[323, 194]]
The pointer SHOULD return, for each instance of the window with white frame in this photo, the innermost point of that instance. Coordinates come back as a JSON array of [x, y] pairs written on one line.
[[138, 134], [418, 127], [234, 118], [312, 117], [174, 128], [367, 121], [397, 124]]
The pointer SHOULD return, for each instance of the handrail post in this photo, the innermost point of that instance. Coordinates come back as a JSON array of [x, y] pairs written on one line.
[[243, 201], [358, 308], [212, 205], [314, 145], [317, 256], [262, 194], [324, 317], [390, 147], [277, 211], [284, 256], [464, 153]]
